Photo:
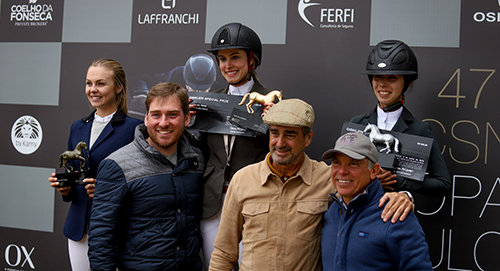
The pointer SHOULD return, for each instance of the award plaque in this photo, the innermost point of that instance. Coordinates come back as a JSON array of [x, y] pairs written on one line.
[[73, 176], [404, 154], [248, 121], [214, 112]]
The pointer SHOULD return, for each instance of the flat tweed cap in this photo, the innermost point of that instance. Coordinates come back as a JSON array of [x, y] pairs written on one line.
[[292, 113]]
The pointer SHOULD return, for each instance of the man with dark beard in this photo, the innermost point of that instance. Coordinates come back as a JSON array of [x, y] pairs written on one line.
[[148, 195], [275, 207]]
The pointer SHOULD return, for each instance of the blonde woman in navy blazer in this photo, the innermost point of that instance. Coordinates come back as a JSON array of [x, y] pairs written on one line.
[[105, 130]]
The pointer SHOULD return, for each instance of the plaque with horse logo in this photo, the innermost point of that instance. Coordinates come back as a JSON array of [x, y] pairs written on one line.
[[406, 155]]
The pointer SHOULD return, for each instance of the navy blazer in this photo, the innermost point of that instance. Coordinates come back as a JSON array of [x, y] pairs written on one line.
[[245, 151], [118, 133], [438, 181]]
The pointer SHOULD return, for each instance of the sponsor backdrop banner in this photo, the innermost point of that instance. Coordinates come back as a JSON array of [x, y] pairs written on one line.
[[312, 49]]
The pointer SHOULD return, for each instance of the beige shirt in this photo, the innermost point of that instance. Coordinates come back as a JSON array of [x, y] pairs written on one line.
[[279, 224]]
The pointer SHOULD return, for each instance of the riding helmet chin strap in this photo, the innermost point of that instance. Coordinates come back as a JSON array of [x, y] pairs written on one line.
[[394, 107]]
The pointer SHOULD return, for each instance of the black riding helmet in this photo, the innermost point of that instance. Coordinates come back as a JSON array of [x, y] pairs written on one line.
[[393, 57], [237, 36]]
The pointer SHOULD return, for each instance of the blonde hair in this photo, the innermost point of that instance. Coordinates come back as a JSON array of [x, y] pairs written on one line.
[[119, 79]]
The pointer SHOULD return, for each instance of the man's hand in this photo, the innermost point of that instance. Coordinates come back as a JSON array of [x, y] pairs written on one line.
[[387, 179], [398, 207]]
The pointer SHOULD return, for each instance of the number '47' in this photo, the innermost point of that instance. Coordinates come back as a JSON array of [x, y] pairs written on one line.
[[458, 96]]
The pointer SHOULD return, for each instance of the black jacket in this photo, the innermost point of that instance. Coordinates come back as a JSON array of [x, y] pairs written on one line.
[[245, 151], [438, 181]]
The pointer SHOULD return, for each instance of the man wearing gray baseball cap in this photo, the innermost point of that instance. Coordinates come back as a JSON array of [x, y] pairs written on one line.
[[275, 207], [353, 236]]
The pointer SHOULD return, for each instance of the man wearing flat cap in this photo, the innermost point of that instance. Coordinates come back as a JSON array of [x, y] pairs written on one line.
[[353, 236], [275, 207]]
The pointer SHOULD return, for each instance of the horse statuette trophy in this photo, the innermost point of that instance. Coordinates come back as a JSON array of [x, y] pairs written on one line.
[[256, 97], [377, 137], [73, 176]]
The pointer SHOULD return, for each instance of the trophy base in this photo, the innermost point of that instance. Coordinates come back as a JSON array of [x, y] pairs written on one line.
[[72, 178]]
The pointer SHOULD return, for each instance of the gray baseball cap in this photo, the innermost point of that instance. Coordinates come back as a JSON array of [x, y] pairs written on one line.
[[291, 113], [355, 145]]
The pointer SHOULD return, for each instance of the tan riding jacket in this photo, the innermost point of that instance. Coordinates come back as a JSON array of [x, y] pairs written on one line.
[[278, 223]]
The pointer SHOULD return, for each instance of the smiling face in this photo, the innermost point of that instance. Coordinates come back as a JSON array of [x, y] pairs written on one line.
[[101, 91], [233, 65], [165, 122], [388, 89], [350, 177], [287, 145]]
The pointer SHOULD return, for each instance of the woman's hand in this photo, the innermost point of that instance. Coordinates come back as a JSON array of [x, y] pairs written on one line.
[[54, 183], [266, 108], [387, 179], [90, 186], [191, 107]]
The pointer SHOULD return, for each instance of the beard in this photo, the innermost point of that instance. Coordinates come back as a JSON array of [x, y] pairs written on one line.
[[164, 143], [289, 160]]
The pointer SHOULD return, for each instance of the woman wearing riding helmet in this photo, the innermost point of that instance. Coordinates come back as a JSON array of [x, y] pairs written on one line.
[[391, 69], [238, 52]]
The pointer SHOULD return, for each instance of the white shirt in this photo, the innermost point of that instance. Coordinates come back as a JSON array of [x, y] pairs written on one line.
[[237, 91], [387, 120], [98, 126], [241, 90]]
